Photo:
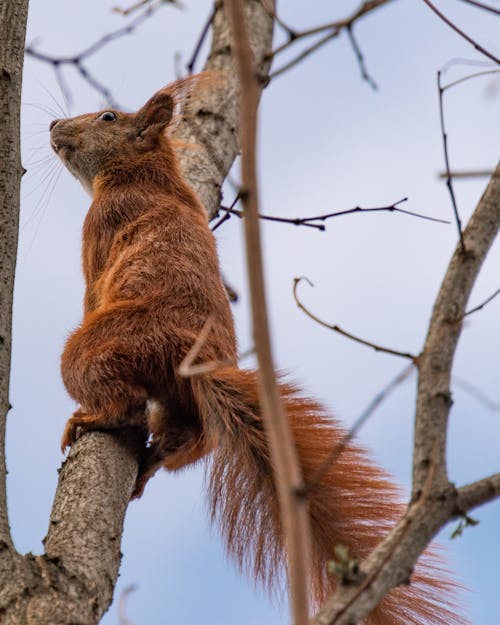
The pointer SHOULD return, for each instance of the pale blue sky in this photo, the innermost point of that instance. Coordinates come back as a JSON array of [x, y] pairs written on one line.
[[327, 142]]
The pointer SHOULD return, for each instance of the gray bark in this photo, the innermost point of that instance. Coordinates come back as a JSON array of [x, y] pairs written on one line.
[[13, 17]]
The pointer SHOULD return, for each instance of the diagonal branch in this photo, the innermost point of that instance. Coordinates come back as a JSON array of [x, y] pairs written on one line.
[[339, 330], [434, 397], [76, 60], [330, 31], [435, 501], [464, 35]]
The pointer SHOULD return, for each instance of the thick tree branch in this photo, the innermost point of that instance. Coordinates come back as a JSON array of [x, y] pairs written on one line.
[[13, 16], [434, 397], [479, 492], [435, 501], [214, 121]]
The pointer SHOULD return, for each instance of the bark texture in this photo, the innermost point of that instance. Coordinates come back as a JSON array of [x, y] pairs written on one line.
[[214, 123], [73, 581], [435, 500], [13, 17]]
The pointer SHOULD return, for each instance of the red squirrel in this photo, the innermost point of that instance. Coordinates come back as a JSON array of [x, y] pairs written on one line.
[[152, 281]]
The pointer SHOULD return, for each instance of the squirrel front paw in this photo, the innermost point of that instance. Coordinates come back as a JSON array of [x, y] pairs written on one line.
[[70, 431], [85, 422]]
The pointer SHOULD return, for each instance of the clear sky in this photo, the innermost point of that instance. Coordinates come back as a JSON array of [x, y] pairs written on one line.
[[327, 142]]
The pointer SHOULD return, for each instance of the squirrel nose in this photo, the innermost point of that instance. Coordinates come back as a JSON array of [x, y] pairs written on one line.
[[53, 123]]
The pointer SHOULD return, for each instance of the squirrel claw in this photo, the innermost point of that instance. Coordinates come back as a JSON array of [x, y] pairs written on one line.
[[70, 431]]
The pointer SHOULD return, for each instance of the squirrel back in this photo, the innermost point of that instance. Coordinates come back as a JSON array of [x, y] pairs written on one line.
[[152, 282]]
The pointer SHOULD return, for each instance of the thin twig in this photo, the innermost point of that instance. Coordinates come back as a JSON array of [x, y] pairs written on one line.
[[483, 304], [332, 30], [201, 39], [187, 368], [480, 173], [481, 397], [132, 8], [122, 609], [336, 328], [77, 59], [228, 212], [453, 26], [304, 54], [361, 61], [337, 25], [360, 421], [459, 81], [481, 5], [309, 221], [294, 516], [449, 182]]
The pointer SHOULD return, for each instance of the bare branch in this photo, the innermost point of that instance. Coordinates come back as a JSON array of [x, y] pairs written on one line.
[[360, 58], [336, 328], [480, 173], [477, 46], [76, 60], [331, 30], [434, 399], [479, 493], [357, 425], [122, 612], [476, 393], [304, 54], [459, 81], [227, 214], [135, 7], [199, 43], [13, 17], [481, 5], [294, 512], [449, 182], [309, 221], [483, 304]]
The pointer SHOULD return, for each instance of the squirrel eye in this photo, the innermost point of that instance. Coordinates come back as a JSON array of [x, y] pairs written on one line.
[[108, 116]]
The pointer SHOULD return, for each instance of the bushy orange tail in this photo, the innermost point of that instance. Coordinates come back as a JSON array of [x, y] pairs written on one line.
[[354, 505]]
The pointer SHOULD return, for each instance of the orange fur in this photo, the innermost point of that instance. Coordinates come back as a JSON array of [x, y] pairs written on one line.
[[153, 279]]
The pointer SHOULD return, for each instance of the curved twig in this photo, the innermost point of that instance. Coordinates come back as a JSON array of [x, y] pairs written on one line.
[[336, 328]]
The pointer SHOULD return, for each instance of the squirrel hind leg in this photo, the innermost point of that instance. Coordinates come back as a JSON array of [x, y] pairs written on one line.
[[176, 433], [176, 440]]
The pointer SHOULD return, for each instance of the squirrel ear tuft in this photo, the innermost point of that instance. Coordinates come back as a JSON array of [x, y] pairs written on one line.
[[157, 112]]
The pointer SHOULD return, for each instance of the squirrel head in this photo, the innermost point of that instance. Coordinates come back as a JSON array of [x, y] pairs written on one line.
[[94, 144]]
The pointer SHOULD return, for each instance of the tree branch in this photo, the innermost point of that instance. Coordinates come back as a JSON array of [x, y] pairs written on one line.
[[294, 509], [330, 31], [13, 16], [464, 35], [478, 493], [339, 330], [434, 398], [76, 60], [435, 501], [310, 221]]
